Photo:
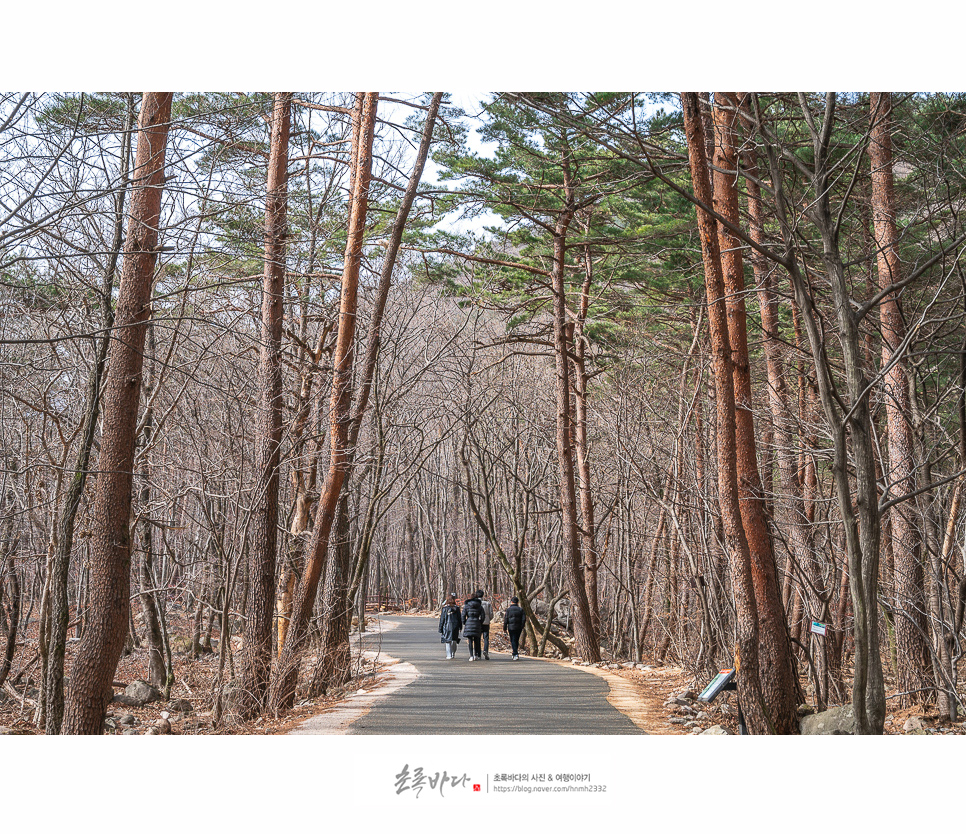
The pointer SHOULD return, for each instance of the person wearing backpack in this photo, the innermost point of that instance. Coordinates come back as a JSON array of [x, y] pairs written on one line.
[[473, 625], [514, 621], [450, 623], [487, 619]]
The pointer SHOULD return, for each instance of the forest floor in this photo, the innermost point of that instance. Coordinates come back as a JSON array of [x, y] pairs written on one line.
[[194, 681], [645, 691]]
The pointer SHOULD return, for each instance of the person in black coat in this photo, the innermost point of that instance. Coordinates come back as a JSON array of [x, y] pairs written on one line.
[[487, 619], [473, 625], [514, 621], [450, 623]]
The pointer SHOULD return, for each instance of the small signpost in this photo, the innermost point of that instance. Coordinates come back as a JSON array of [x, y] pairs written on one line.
[[819, 628], [719, 683], [724, 681]]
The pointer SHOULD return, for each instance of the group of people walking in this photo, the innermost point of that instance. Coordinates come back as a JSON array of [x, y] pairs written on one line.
[[474, 622]]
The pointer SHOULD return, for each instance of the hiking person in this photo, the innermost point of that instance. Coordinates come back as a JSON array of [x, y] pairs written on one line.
[[450, 623], [487, 619], [514, 621], [473, 625]]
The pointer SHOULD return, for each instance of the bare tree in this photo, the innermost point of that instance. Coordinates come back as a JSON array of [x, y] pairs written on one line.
[[100, 648], [263, 552], [286, 673]]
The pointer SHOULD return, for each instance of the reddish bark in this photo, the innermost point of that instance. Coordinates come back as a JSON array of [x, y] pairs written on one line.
[[746, 650], [778, 679], [912, 651], [286, 672], [335, 665], [110, 553]]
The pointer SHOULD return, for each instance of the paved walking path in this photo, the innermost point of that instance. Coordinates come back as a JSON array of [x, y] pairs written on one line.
[[435, 696]]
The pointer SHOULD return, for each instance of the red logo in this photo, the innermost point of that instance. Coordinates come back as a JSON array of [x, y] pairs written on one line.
[[476, 787]]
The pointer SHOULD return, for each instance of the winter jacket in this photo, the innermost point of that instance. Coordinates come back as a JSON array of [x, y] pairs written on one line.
[[487, 611], [514, 619], [472, 618], [450, 623]]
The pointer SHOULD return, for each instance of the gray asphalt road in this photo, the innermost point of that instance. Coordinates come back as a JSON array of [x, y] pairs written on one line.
[[498, 696]]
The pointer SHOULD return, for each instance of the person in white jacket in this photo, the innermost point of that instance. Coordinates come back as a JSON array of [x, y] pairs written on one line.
[[487, 619]]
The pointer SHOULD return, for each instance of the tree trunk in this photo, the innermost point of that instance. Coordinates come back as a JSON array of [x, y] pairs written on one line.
[[157, 671], [803, 559], [263, 553], [584, 635], [338, 586], [286, 673], [100, 647], [53, 685], [746, 650], [10, 599], [334, 656], [581, 378], [910, 604], [779, 681], [585, 638], [848, 419]]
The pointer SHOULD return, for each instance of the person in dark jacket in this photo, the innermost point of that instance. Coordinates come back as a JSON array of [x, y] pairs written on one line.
[[473, 625], [487, 619], [450, 623], [514, 621]]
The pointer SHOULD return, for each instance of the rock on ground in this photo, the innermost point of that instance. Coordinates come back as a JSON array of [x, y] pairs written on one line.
[[138, 694], [839, 721]]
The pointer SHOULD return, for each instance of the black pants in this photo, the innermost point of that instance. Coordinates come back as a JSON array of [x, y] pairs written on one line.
[[486, 639], [475, 646], [515, 641]]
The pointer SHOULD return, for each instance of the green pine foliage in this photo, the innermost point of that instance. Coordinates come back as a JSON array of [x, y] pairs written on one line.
[[637, 232]]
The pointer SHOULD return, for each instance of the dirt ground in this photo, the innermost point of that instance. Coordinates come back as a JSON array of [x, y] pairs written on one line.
[[195, 680]]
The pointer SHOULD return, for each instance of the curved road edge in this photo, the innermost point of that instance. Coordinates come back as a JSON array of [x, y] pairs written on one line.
[[336, 721], [623, 695]]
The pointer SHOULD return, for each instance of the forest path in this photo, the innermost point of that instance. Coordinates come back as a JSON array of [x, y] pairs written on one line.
[[495, 697]]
